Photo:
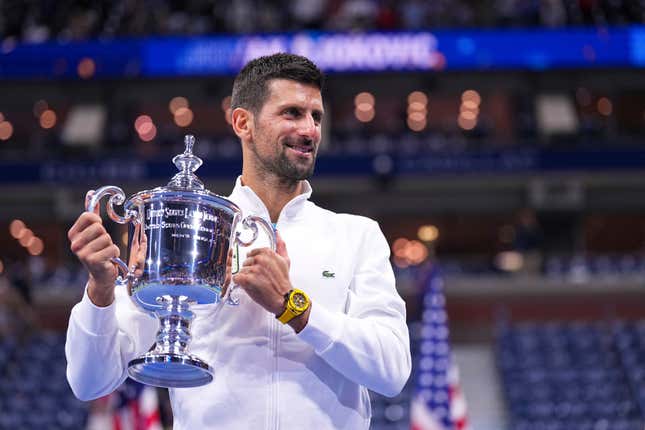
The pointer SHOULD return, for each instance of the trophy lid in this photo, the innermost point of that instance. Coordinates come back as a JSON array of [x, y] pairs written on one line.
[[187, 163], [185, 185]]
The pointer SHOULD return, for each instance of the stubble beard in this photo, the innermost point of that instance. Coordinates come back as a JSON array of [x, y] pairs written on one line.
[[282, 167]]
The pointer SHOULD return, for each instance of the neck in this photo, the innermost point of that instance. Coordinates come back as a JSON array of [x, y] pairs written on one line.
[[274, 192]]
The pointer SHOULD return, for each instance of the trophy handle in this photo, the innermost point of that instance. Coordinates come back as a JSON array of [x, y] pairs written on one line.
[[117, 197], [251, 222]]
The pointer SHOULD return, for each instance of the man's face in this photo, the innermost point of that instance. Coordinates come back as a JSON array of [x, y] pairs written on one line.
[[287, 130]]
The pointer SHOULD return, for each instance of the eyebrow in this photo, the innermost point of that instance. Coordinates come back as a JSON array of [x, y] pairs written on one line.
[[321, 112]]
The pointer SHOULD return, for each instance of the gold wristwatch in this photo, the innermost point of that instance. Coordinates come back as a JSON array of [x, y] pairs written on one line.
[[296, 302]]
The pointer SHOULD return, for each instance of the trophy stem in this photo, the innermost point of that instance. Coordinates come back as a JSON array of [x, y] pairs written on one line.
[[175, 318], [169, 364]]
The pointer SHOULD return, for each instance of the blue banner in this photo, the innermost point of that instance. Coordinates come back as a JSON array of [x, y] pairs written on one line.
[[94, 173], [334, 52]]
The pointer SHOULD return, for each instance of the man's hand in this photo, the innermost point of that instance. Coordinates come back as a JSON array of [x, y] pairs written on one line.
[[94, 248], [265, 278]]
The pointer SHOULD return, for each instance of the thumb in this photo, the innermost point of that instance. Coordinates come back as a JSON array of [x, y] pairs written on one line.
[[280, 246]]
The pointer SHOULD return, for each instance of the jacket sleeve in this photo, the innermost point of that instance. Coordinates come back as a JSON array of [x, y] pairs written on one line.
[[101, 341], [370, 343]]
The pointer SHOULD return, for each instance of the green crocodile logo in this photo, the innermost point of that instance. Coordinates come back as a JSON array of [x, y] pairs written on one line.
[[328, 274]]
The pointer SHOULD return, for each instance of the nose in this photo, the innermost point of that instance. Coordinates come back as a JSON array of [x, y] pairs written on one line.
[[309, 128]]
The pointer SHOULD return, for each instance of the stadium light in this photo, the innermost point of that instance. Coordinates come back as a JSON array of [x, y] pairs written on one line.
[[36, 246], [605, 107], [364, 97], [25, 236], [471, 95], [184, 117], [86, 68], [466, 123], [428, 233], [48, 119], [15, 228], [141, 121], [177, 103], [417, 111], [145, 128], [6, 130]]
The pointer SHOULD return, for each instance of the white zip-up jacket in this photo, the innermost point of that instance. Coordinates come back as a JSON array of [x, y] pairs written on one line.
[[265, 375]]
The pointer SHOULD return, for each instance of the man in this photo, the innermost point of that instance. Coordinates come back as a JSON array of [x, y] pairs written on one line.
[[275, 367]]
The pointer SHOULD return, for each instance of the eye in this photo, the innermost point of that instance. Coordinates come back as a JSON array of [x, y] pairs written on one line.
[[292, 112], [317, 116]]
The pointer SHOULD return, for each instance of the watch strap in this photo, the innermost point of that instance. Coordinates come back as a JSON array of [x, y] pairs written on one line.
[[287, 315], [289, 312]]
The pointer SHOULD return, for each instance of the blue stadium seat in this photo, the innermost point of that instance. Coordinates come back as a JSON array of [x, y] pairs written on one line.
[[573, 376], [34, 393]]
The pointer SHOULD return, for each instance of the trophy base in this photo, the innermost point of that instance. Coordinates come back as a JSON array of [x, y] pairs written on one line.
[[169, 370]]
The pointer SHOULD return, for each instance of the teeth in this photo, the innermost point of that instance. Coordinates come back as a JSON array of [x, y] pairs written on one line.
[[300, 148]]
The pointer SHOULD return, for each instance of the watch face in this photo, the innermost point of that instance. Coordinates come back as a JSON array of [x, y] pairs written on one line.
[[299, 300]]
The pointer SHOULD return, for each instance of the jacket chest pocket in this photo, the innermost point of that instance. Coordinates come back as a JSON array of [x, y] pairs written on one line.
[[326, 284], [322, 266], [330, 293]]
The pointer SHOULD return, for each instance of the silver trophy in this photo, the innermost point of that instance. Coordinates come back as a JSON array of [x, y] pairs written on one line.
[[178, 244]]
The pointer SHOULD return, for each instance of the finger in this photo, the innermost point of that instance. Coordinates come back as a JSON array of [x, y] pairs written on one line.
[[84, 220], [80, 240], [88, 196], [249, 271], [106, 254], [241, 278], [97, 245], [280, 246], [102, 259], [258, 251], [262, 260]]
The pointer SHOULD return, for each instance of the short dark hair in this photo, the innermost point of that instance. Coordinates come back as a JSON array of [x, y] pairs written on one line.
[[250, 89]]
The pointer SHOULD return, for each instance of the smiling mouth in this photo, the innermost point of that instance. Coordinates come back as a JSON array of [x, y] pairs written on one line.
[[300, 148]]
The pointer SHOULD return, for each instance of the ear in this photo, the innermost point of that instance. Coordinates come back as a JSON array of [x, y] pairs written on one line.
[[242, 122]]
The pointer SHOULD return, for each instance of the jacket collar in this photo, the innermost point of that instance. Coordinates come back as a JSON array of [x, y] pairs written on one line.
[[244, 196]]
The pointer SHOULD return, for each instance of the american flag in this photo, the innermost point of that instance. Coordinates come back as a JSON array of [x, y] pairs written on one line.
[[438, 403], [132, 406]]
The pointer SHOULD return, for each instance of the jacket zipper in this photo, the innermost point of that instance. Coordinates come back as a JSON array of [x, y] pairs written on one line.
[[276, 385], [274, 338], [274, 401]]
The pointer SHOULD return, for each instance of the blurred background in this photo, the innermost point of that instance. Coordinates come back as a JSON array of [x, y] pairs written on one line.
[[499, 144]]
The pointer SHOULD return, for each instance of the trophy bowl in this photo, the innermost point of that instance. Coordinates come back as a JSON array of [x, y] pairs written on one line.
[[179, 238]]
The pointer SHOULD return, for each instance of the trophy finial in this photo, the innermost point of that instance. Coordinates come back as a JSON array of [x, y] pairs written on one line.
[[189, 141], [187, 163]]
